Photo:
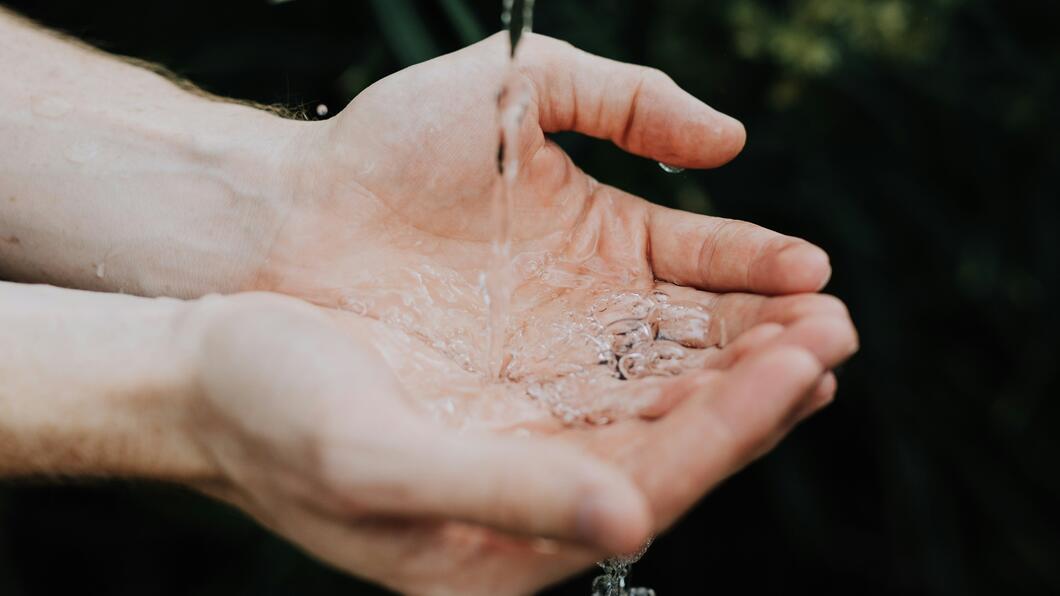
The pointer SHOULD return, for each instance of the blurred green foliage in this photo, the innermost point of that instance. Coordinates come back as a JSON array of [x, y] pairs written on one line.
[[914, 139]]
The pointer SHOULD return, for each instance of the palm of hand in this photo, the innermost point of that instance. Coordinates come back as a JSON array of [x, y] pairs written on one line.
[[420, 182]]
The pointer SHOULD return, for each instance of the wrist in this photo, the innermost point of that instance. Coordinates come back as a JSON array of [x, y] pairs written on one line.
[[255, 160], [95, 385]]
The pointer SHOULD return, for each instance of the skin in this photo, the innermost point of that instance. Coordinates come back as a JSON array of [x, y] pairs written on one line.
[[291, 401]]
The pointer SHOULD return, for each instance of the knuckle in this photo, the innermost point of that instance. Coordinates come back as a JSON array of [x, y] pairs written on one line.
[[654, 76]]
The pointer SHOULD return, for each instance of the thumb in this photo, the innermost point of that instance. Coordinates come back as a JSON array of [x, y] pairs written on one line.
[[640, 109]]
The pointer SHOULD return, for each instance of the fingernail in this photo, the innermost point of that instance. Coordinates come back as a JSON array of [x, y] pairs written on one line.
[[807, 262]]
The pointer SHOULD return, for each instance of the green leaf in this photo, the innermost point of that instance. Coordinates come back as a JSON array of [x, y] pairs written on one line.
[[404, 31], [463, 20]]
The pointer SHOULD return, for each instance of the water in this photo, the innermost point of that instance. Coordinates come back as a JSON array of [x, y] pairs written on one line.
[[669, 169], [612, 582], [583, 337], [513, 100], [580, 366]]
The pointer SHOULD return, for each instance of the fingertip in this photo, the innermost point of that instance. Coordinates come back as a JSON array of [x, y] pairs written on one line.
[[617, 520], [831, 339], [793, 364], [804, 267], [823, 394], [732, 138], [712, 140], [826, 390]]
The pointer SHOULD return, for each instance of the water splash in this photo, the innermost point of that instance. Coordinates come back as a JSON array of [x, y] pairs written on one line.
[[581, 368], [616, 571], [669, 169]]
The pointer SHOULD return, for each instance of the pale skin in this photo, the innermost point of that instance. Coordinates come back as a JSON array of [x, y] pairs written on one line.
[[113, 179]]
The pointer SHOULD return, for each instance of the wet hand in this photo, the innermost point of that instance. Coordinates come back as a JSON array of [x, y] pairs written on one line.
[[394, 217], [393, 223], [314, 436]]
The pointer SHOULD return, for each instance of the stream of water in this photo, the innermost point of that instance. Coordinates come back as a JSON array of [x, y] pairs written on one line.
[[632, 345], [513, 100]]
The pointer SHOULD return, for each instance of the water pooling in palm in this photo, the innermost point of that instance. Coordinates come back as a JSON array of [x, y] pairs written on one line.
[[405, 235]]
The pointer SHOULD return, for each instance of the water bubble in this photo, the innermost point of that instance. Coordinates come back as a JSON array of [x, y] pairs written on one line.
[[669, 169], [634, 366], [660, 296], [666, 358], [354, 305], [622, 306], [606, 585], [597, 419], [322, 110], [624, 334], [687, 324], [616, 570]]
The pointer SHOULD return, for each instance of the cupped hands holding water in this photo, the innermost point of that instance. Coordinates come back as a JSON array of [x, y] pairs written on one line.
[[390, 228], [371, 426]]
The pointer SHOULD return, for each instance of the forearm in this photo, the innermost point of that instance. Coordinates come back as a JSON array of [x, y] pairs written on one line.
[[95, 384], [113, 178]]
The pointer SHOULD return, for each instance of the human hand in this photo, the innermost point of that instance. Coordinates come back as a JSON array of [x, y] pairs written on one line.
[[317, 438], [393, 217], [289, 412], [391, 221]]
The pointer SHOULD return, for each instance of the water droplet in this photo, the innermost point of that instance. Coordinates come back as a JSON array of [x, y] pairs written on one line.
[[603, 585], [101, 270], [354, 305], [670, 169], [624, 334], [666, 358], [322, 110], [634, 366], [616, 569], [623, 306], [686, 324]]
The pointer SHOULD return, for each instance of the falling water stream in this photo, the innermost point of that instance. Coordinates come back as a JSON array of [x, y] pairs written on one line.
[[513, 100], [626, 334]]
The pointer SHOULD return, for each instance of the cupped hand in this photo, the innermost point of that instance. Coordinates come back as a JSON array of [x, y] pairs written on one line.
[[393, 216], [316, 437], [392, 226]]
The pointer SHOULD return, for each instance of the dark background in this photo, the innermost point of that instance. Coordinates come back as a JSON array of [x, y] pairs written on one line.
[[915, 140]]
